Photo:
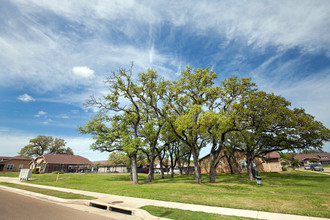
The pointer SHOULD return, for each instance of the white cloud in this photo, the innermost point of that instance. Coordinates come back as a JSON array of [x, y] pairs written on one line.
[[41, 113], [83, 71], [25, 98]]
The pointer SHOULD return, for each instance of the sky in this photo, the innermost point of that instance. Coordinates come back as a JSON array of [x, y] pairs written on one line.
[[55, 54]]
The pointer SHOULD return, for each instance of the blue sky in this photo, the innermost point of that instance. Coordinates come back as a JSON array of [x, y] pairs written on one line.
[[55, 54]]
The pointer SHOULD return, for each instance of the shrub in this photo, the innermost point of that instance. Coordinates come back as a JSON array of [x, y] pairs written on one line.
[[284, 169], [35, 171]]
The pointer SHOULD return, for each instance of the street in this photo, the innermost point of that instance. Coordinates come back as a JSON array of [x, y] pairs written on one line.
[[16, 206]]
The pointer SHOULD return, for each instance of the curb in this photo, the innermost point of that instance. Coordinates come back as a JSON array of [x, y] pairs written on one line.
[[134, 212]]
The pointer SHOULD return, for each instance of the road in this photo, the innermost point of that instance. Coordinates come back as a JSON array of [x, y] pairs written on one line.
[[17, 206]]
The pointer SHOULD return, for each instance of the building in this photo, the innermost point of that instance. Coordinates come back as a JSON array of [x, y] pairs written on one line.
[[14, 164], [103, 166], [49, 163], [269, 163], [322, 158]]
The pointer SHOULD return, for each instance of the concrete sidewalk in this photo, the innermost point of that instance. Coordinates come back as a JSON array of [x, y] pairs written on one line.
[[130, 203]]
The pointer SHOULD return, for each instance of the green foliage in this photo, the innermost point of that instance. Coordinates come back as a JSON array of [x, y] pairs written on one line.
[[118, 158], [284, 169], [35, 171], [57, 172], [193, 112], [295, 163], [45, 144]]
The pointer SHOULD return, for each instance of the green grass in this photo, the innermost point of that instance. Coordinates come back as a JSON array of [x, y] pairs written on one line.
[[179, 214], [55, 193], [292, 192], [9, 174]]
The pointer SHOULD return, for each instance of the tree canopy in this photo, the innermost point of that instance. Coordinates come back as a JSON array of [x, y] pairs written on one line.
[[45, 144], [150, 115]]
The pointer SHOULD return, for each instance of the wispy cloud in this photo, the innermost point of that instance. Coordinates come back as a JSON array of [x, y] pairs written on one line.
[[25, 98], [41, 113]]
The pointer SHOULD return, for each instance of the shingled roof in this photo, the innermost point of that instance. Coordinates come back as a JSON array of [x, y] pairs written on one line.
[[319, 156], [273, 154], [65, 159]]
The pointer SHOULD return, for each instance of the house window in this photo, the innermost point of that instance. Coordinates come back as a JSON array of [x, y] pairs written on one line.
[[20, 166], [243, 164], [10, 166], [324, 157]]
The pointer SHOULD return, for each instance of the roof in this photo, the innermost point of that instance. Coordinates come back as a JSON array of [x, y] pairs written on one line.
[[65, 159], [4, 158], [15, 158], [317, 156], [22, 157], [273, 155], [101, 162]]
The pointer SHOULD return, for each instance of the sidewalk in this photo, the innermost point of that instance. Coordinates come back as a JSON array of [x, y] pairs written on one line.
[[134, 204]]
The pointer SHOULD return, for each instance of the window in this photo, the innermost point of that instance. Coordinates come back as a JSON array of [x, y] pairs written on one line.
[[324, 157], [10, 166], [243, 164], [20, 166]]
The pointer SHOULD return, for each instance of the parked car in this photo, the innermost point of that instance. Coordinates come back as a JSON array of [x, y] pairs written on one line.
[[316, 167], [176, 171], [145, 170], [307, 167], [157, 170]]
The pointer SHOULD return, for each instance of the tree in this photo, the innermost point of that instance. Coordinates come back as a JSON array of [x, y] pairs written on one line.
[[268, 124], [45, 144], [152, 89], [184, 105], [221, 119], [122, 100]]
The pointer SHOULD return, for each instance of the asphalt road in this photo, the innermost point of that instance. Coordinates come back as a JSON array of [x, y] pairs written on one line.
[[16, 206]]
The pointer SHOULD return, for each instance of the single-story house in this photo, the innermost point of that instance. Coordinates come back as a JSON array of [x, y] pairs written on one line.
[[49, 163], [14, 164], [322, 158], [103, 166], [269, 163]]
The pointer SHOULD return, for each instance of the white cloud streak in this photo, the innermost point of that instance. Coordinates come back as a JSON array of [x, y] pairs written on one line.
[[25, 98], [44, 54]]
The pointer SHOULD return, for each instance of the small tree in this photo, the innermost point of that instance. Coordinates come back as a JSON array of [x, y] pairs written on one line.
[[45, 144]]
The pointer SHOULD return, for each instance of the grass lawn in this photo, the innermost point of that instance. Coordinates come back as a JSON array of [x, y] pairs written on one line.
[[55, 193], [9, 174], [179, 214], [293, 192]]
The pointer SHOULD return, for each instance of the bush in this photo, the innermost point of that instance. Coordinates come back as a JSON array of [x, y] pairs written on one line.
[[35, 171], [284, 169], [58, 172]]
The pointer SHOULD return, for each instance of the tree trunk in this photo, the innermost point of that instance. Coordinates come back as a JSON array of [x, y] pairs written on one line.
[[134, 170], [213, 167], [151, 169], [188, 161], [161, 168], [230, 165], [249, 160], [198, 177]]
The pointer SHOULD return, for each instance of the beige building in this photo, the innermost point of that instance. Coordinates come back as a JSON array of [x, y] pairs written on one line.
[[14, 164], [104, 167], [270, 163]]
